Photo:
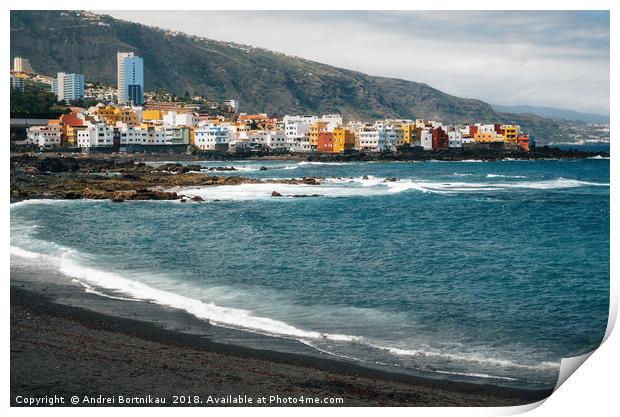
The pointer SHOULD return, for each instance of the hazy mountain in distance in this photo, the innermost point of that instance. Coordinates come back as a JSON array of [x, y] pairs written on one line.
[[554, 113]]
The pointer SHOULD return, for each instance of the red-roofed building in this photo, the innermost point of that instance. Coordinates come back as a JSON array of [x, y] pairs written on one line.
[[69, 125]]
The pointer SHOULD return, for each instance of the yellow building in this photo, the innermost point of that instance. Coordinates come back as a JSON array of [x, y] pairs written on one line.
[[510, 133], [153, 114], [315, 129], [486, 137], [126, 115], [112, 114], [107, 113], [344, 140], [72, 134], [410, 133]]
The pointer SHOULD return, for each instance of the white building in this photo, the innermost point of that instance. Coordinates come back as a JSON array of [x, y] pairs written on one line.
[[372, 138], [485, 128], [212, 137], [333, 120], [133, 135], [299, 143], [455, 139], [234, 104], [394, 137], [174, 119], [278, 141], [44, 136], [297, 129], [421, 123], [68, 87], [22, 65], [95, 135], [426, 139]]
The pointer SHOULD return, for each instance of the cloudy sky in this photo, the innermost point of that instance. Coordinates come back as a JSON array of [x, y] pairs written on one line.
[[543, 58]]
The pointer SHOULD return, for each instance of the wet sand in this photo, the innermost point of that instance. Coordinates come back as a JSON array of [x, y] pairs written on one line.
[[61, 345]]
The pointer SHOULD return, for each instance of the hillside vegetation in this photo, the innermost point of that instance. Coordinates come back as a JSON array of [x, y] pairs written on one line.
[[262, 80]]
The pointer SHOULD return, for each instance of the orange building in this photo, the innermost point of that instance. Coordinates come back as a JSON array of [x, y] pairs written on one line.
[[523, 142], [325, 142], [315, 130], [68, 124], [487, 137], [343, 140]]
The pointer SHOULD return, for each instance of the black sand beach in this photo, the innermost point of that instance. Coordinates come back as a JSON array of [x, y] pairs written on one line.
[[60, 347]]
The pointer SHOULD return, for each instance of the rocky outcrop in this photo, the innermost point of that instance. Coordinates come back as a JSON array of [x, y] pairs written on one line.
[[178, 168], [220, 169], [74, 178], [310, 181]]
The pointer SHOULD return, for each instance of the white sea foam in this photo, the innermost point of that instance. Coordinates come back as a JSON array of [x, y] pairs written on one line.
[[70, 265], [97, 281], [47, 201], [599, 157], [483, 359], [90, 289], [248, 168], [504, 176], [24, 253], [372, 186], [245, 192]]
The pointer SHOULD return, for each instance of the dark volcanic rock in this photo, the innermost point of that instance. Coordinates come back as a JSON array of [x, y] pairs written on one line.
[[276, 194], [391, 179], [263, 168], [72, 195], [197, 198], [310, 181], [222, 169]]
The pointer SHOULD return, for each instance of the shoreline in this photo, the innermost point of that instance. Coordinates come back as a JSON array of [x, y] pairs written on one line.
[[52, 325], [454, 154], [123, 177]]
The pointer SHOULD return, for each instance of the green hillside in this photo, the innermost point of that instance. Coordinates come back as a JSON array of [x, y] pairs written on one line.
[[262, 80]]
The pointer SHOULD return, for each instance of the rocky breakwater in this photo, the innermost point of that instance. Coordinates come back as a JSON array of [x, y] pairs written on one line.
[[57, 177], [92, 178]]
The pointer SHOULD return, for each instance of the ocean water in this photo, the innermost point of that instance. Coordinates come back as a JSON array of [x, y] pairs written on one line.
[[488, 270]]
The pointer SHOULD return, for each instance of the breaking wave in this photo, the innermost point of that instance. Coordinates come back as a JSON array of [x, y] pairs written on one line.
[[368, 186], [126, 287]]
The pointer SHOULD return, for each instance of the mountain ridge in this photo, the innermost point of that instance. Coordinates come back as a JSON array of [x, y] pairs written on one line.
[[262, 80], [554, 113]]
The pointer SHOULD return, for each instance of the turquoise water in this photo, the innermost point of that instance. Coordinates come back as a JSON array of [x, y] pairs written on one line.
[[494, 270]]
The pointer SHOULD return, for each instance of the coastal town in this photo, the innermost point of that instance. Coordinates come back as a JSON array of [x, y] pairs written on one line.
[[129, 119]]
